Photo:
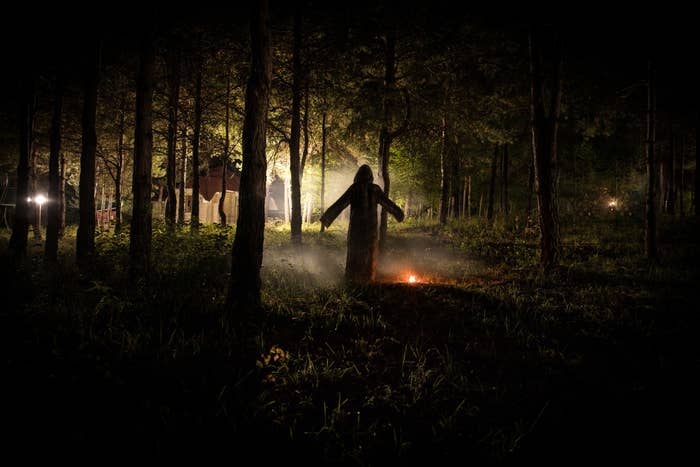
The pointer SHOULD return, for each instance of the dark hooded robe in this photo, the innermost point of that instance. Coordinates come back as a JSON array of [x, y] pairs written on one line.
[[363, 197]]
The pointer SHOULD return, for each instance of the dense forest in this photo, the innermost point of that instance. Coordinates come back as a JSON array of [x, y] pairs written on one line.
[[352, 233]]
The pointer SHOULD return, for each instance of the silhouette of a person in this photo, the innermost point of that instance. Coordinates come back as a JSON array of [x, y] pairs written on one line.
[[363, 197]]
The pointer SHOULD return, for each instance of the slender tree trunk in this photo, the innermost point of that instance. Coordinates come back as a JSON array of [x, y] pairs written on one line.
[[681, 184], [295, 135], [650, 232], [120, 167], [20, 228], [173, 73], [85, 242], [323, 160], [530, 185], [544, 143], [305, 128], [696, 198], [36, 224], [504, 198], [53, 214], [455, 182], [492, 185], [469, 197], [464, 198], [670, 207], [444, 174], [194, 219], [385, 135], [61, 195], [227, 142], [140, 235], [183, 175], [244, 285]]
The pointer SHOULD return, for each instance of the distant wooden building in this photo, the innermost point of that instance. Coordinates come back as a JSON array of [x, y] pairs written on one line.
[[209, 196]]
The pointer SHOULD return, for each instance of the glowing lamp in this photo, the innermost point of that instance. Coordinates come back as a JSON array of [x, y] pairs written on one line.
[[41, 199]]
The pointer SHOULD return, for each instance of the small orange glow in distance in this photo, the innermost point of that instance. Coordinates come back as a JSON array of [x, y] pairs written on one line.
[[412, 279]]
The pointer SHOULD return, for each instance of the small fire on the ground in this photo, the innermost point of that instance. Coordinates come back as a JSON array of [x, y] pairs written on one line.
[[412, 279]]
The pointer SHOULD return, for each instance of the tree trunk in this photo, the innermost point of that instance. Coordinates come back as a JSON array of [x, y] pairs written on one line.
[[323, 160], [504, 198], [140, 236], [305, 127], [530, 185], [455, 182], [53, 214], [681, 184], [183, 177], [444, 174], [295, 135], [194, 218], [385, 135], [227, 142], [492, 185], [36, 224], [244, 285], [61, 195], [20, 228], [670, 207], [650, 232], [120, 167], [173, 73], [697, 164], [469, 197], [85, 242], [544, 144]]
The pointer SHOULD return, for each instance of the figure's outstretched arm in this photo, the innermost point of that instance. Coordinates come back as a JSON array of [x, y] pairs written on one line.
[[389, 205], [335, 209]]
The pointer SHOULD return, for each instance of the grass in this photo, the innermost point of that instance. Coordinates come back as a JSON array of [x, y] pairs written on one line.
[[500, 364]]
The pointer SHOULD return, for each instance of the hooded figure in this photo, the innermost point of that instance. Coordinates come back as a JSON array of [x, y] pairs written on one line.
[[363, 197]]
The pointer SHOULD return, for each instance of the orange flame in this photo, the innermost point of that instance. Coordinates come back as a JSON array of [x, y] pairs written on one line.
[[412, 279]]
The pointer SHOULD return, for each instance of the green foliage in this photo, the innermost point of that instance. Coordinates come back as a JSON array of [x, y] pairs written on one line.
[[387, 371]]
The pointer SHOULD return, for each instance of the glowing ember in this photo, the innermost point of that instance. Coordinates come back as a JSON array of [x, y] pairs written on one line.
[[412, 279]]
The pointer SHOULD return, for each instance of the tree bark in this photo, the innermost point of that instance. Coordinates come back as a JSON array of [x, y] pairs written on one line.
[[173, 73], [61, 195], [650, 231], [681, 175], [504, 198], [85, 242], [227, 142], [323, 160], [670, 176], [20, 228], [492, 185], [295, 134], [244, 285], [120, 166], [194, 219], [183, 177], [544, 143], [697, 164], [36, 224], [385, 135], [444, 174], [305, 127], [140, 235]]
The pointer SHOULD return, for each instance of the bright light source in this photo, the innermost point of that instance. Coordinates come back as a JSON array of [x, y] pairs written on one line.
[[41, 199], [613, 203], [412, 279], [29, 200]]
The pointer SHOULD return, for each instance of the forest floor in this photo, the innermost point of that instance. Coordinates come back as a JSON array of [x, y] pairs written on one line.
[[484, 358]]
